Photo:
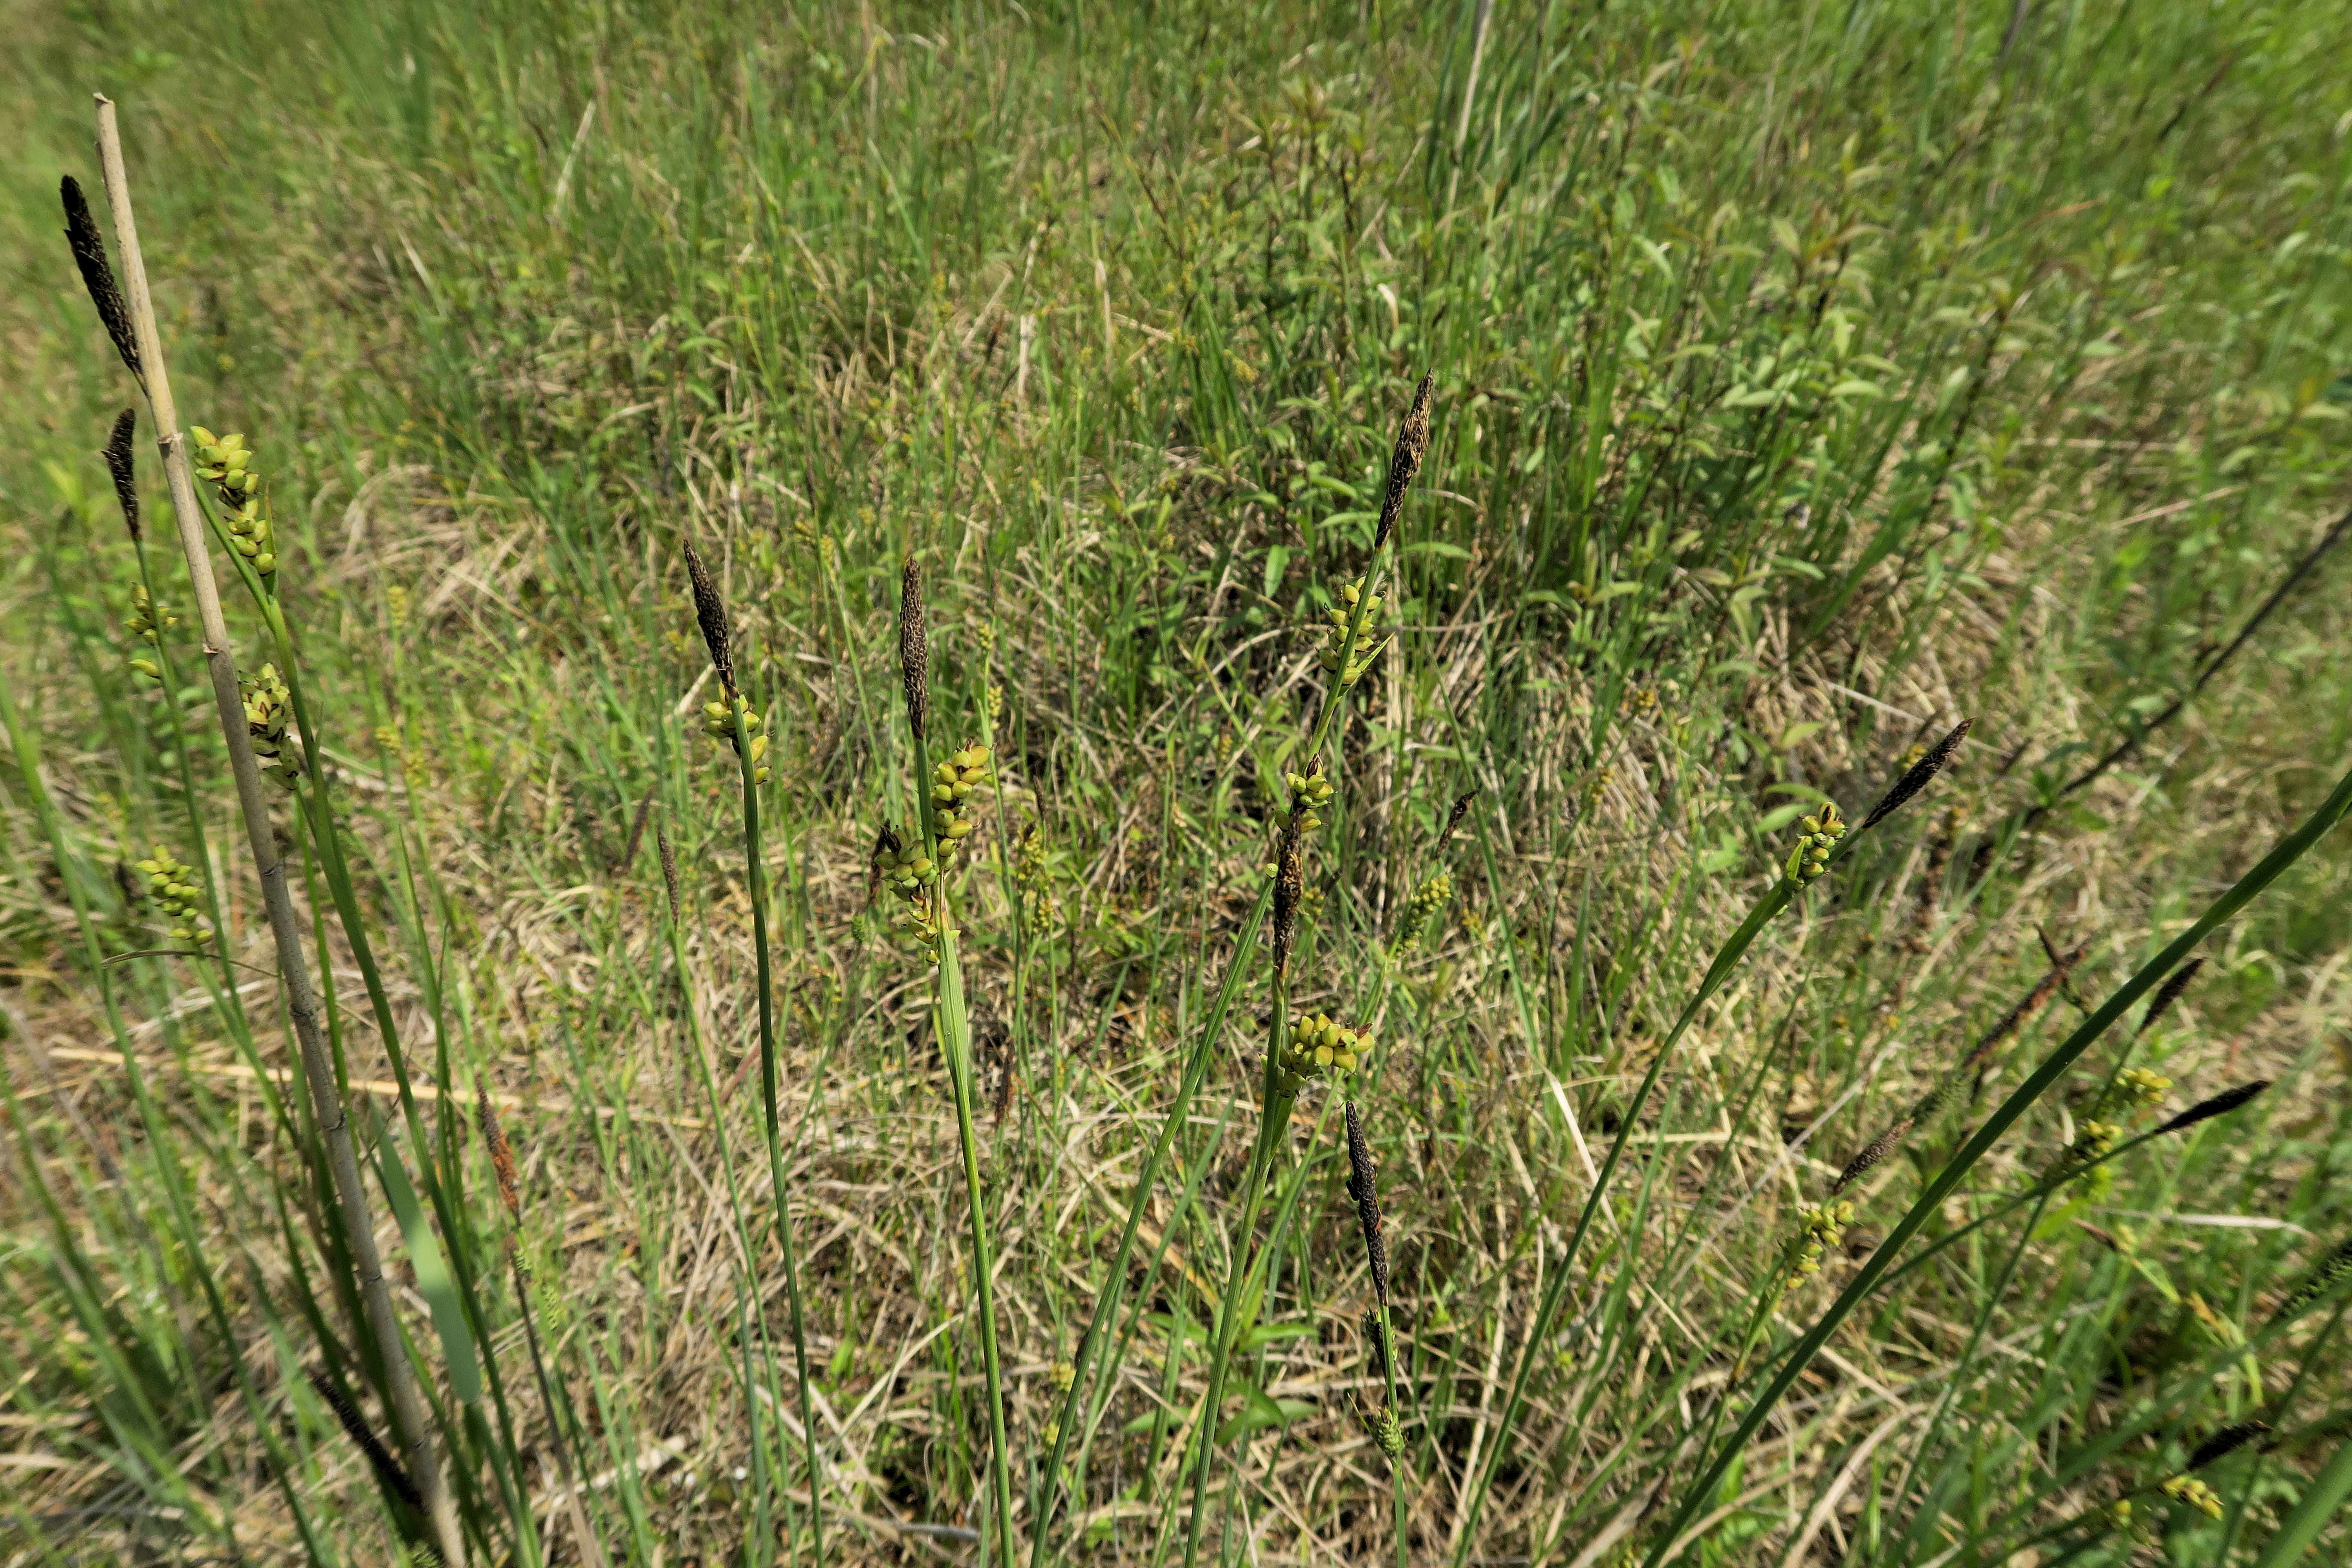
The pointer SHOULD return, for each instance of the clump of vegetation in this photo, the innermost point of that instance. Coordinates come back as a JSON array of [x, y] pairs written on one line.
[[1294, 607]]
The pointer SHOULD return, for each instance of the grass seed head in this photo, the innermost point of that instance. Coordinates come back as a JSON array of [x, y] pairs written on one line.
[[1411, 443], [914, 649], [98, 273], [710, 615], [119, 469], [1917, 776]]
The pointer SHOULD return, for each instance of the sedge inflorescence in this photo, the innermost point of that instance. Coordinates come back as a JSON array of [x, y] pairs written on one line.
[[1340, 656], [267, 706], [1822, 1228], [172, 888], [150, 621], [719, 718], [1821, 833], [1317, 1047], [227, 463]]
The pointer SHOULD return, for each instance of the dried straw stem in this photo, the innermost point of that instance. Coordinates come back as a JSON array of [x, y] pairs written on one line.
[[284, 930]]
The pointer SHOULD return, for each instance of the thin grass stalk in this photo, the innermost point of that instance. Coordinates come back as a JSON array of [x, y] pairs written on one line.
[[2283, 855], [334, 1122], [952, 1020], [1719, 970], [746, 1284], [771, 1120], [1204, 1054]]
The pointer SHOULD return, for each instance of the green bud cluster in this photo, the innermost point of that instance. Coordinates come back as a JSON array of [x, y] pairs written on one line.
[[2194, 1494], [225, 462], [1309, 792], [719, 718], [953, 784], [172, 888], [150, 621], [2141, 1090], [1823, 1227], [1388, 1433], [907, 870], [1349, 661], [1431, 897], [1317, 1047], [1810, 858], [267, 705]]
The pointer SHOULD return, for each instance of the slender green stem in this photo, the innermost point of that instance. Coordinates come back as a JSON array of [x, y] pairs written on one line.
[[1725, 959], [2284, 854], [773, 1123]]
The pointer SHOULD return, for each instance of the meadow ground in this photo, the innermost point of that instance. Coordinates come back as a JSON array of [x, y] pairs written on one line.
[[1805, 379]]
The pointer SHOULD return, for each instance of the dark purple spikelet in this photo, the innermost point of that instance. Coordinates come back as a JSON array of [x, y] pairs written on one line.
[[379, 1458], [1289, 889], [2221, 1104], [2228, 1440], [97, 272], [670, 869], [1876, 1151], [914, 651], [1412, 444], [2167, 995], [710, 615], [118, 467], [1917, 776], [1453, 818], [1364, 1186]]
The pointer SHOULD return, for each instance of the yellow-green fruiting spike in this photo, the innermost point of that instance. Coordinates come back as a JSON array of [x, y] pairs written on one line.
[[719, 720], [1318, 1048], [1430, 898], [1817, 836], [176, 894], [2194, 1494], [1388, 1433], [2142, 1090], [267, 705]]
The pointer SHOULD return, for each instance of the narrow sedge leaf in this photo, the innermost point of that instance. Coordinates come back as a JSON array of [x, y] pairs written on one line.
[[432, 1279]]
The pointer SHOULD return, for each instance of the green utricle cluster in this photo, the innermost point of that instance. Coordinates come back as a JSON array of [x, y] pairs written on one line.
[[178, 897], [225, 462]]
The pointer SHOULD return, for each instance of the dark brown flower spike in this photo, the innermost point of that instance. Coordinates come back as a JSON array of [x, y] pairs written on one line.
[[2035, 1000], [670, 869], [710, 615], [2221, 1104], [914, 651], [1453, 818], [1411, 443], [2228, 1440], [387, 1469], [118, 467], [2167, 995], [1917, 776], [1364, 1186], [98, 273], [1878, 1150], [1289, 887], [501, 1154], [2331, 1272]]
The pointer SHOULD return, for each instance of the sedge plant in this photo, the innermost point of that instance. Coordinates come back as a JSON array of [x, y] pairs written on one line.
[[733, 719], [130, 322]]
